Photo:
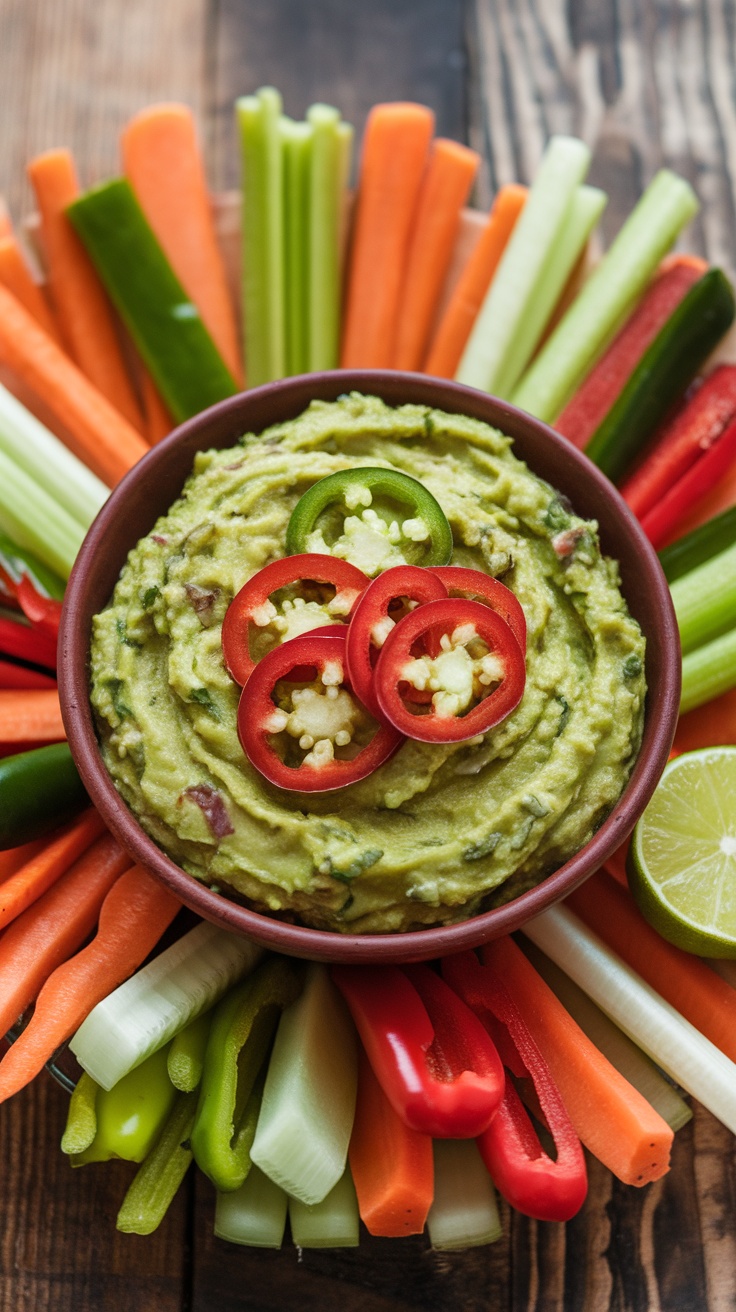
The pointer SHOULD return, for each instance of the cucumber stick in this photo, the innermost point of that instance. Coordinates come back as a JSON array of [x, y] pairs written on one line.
[[512, 294], [699, 546], [164, 324], [678, 351]]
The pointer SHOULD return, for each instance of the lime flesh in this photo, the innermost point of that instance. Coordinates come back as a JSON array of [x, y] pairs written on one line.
[[682, 863]]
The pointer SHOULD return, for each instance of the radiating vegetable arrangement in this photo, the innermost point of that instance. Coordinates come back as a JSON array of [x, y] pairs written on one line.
[[334, 1096]]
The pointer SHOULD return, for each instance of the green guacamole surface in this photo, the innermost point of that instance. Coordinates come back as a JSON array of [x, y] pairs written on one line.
[[440, 831]]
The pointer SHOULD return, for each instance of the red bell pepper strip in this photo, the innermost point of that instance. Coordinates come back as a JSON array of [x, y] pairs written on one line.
[[44, 613], [534, 1183], [252, 605], [477, 586], [663, 521], [463, 702], [320, 720], [27, 644], [19, 677], [432, 1057], [597, 394]]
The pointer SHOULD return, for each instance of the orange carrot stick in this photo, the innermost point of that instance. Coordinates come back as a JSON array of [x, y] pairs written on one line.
[[453, 331], [611, 1117], [17, 277], [712, 725], [391, 1165], [31, 716], [6, 226], [92, 428], [31, 881], [395, 147], [701, 996], [55, 926], [14, 857], [133, 917], [158, 421], [163, 163], [447, 181], [80, 301]]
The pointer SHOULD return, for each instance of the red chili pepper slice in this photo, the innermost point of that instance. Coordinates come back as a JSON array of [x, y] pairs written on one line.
[[474, 584], [43, 612], [26, 643], [454, 679], [371, 623], [252, 605], [534, 1183], [315, 726], [431, 1055]]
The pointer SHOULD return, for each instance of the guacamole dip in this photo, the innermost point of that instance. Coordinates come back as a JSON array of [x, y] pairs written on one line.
[[440, 831]]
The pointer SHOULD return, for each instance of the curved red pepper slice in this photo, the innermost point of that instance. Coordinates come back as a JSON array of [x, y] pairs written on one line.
[[474, 584], [259, 718], [44, 613], [371, 620], [449, 617], [431, 1055], [347, 581]]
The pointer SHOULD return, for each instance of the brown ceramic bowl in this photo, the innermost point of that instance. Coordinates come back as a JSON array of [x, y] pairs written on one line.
[[155, 483]]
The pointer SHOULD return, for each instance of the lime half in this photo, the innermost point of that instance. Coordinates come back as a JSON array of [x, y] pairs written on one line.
[[682, 862]]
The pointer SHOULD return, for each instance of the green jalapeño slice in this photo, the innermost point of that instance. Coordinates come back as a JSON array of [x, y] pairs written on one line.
[[374, 518]]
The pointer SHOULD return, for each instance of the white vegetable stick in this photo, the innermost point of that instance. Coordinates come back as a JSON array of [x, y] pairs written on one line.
[[53, 467]]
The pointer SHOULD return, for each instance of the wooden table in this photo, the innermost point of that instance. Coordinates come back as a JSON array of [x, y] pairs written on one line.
[[646, 84]]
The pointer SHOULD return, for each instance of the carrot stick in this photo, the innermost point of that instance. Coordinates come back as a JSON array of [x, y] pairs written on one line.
[[391, 1165], [55, 926], [395, 147], [6, 226], [89, 425], [157, 418], [134, 915], [447, 181], [163, 163], [17, 277], [42, 870], [449, 340], [610, 1116], [712, 725], [80, 301], [700, 995], [31, 716], [14, 857]]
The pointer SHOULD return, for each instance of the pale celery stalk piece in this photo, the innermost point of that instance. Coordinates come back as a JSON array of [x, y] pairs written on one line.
[[37, 451], [682, 1052], [345, 137], [705, 599], [325, 215], [309, 1098], [185, 1060], [263, 236], [81, 1121], [145, 1012], [35, 520], [586, 206], [607, 297], [708, 671], [298, 149], [512, 294], [333, 1223], [628, 1059], [464, 1211], [254, 1214]]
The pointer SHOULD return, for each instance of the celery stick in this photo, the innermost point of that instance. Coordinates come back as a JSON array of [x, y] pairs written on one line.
[[81, 1121], [464, 1212], [325, 214], [263, 236], [254, 1214], [159, 1176], [512, 294], [632, 1063], [705, 600], [333, 1223], [607, 297], [309, 1100], [185, 1060], [297, 144], [682, 1052], [345, 136], [34, 449], [708, 671], [35, 520]]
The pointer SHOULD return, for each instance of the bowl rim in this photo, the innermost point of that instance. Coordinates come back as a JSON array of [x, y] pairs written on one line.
[[283, 400]]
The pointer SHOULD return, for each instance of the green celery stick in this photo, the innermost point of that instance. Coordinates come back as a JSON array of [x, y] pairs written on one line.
[[263, 236], [185, 1059], [705, 600], [333, 1223], [464, 1212], [159, 1176], [35, 520], [164, 324], [254, 1214], [346, 137], [708, 671], [513, 291], [49, 462], [607, 297], [298, 141], [325, 215]]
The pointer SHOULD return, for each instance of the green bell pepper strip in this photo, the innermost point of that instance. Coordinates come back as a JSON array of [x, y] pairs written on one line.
[[81, 1120], [154, 1185], [186, 1054], [342, 504], [39, 790], [242, 1027], [131, 1115]]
